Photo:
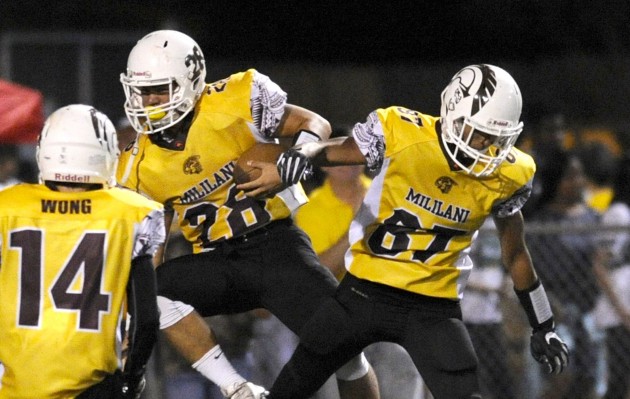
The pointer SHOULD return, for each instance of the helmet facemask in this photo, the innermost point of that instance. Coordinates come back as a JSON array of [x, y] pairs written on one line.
[[480, 99], [478, 162], [151, 119]]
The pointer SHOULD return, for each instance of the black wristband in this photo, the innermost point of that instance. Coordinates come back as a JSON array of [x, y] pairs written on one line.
[[534, 301]]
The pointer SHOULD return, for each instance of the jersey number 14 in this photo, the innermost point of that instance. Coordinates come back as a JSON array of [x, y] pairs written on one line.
[[86, 262]]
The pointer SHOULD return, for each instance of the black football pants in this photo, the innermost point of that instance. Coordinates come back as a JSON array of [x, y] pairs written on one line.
[[361, 313]]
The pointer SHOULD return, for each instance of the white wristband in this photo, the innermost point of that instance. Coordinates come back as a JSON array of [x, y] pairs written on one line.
[[305, 136], [536, 304], [540, 304]]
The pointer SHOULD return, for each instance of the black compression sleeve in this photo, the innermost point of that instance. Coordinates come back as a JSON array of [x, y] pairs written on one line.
[[143, 330]]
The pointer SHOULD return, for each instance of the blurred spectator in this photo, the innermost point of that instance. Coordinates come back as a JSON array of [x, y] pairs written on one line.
[[548, 139], [600, 165], [332, 205], [9, 165], [563, 259], [612, 269], [481, 309]]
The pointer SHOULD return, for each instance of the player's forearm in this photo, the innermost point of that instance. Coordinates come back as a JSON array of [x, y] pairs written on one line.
[[141, 295], [296, 119], [298, 162], [522, 271], [514, 253], [333, 152]]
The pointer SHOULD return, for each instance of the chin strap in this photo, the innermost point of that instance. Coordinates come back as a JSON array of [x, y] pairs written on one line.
[[134, 151]]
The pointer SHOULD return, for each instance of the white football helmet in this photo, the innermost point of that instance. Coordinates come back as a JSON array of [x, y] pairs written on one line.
[[484, 98], [164, 57], [78, 144]]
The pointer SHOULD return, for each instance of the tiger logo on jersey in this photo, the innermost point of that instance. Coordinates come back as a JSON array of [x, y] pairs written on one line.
[[192, 166], [445, 184]]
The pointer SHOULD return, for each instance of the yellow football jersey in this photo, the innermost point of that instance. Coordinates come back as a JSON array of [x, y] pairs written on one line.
[[420, 215], [65, 262], [231, 116]]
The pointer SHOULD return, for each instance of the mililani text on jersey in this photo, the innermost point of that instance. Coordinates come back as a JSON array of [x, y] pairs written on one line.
[[208, 185], [437, 207]]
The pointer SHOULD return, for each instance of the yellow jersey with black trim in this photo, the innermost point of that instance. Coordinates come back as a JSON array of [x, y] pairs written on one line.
[[197, 179], [65, 263], [420, 215]]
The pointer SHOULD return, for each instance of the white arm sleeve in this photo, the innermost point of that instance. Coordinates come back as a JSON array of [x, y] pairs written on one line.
[[267, 104], [513, 204], [150, 234], [371, 141]]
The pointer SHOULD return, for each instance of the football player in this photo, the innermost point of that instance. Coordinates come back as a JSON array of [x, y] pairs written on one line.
[[247, 253], [76, 259], [437, 180]]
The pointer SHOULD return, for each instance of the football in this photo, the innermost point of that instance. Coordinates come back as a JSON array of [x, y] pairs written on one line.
[[266, 152]]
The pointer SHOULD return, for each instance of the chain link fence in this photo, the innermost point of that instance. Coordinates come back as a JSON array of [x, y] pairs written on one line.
[[567, 260], [579, 271]]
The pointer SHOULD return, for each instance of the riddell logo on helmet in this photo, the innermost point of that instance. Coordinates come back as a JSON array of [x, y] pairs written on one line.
[[494, 122], [143, 74], [72, 178]]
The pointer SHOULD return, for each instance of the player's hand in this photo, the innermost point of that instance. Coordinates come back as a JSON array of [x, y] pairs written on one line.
[[293, 166], [549, 349], [266, 185], [132, 387]]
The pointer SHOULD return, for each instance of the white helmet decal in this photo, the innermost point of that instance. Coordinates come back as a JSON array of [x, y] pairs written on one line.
[[468, 79], [195, 63]]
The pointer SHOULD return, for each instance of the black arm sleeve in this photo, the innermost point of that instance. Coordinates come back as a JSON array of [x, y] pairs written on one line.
[[142, 306]]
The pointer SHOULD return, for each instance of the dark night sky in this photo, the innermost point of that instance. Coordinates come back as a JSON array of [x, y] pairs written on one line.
[[569, 54], [346, 31]]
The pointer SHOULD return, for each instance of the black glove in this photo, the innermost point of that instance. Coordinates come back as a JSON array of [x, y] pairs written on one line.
[[548, 349], [293, 166], [132, 387]]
